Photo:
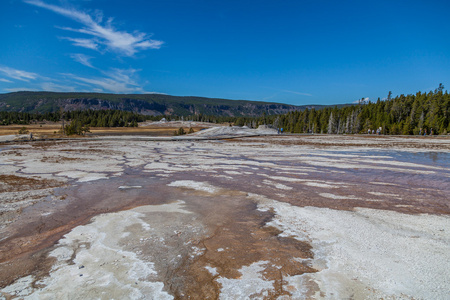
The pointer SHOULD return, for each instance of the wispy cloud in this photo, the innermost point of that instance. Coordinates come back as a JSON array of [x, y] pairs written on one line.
[[82, 59], [108, 84], [85, 43], [119, 41], [54, 87], [116, 81], [297, 93], [122, 75], [18, 74]]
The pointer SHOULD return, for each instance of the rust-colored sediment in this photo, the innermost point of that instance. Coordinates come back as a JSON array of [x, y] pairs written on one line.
[[13, 183], [237, 227], [240, 238], [32, 234]]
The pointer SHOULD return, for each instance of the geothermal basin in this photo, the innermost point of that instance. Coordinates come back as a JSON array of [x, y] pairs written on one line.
[[264, 217]]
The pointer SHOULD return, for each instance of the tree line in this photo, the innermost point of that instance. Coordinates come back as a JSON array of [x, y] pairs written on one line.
[[402, 115], [102, 118], [410, 114], [92, 118]]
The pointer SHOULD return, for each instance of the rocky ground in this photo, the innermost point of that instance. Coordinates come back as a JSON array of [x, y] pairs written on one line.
[[276, 217]]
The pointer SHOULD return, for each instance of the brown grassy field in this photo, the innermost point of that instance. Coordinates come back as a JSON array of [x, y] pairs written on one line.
[[36, 129], [53, 130]]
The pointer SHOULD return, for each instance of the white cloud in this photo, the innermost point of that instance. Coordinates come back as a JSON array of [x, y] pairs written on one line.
[[122, 75], [116, 81], [108, 84], [119, 41], [53, 87], [18, 74], [85, 43], [82, 59]]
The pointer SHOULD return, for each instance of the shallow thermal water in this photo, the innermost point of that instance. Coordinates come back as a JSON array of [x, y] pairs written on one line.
[[229, 220]]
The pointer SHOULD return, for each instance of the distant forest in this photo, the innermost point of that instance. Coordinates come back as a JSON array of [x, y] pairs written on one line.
[[402, 115], [92, 118], [406, 115]]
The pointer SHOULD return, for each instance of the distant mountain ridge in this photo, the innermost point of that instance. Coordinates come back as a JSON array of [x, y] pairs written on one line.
[[147, 104]]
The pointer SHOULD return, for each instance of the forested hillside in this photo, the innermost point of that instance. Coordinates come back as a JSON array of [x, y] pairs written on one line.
[[411, 114], [145, 104], [93, 118], [102, 118]]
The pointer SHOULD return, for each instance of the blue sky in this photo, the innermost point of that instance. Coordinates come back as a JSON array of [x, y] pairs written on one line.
[[296, 52]]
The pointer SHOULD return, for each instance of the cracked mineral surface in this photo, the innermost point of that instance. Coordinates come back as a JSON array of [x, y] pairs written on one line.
[[264, 217]]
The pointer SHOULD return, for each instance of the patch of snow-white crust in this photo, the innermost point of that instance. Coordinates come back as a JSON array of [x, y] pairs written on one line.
[[368, 253]]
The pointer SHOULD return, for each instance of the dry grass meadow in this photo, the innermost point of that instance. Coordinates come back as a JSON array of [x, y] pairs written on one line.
[[53, 130]]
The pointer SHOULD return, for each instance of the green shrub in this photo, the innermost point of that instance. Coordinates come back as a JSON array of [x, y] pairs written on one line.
[[180, 131], [23, 130]]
